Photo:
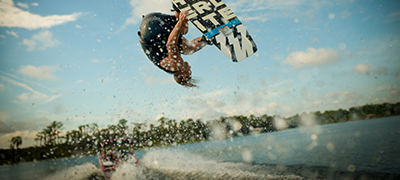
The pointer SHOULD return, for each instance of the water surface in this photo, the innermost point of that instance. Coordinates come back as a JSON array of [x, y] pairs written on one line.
[[367, 149]]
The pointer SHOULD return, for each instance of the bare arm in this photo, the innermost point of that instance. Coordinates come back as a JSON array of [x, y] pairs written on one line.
[[174, 60], [179, 27], [185, 27]]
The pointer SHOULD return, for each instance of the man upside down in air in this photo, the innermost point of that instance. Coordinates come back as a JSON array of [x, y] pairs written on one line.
[[161, 37]]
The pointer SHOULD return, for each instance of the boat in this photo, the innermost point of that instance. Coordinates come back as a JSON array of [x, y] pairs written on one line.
[[114, 153]]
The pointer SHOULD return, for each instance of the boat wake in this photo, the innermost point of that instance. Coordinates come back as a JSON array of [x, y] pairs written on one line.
[[180, 164], [84, 171]]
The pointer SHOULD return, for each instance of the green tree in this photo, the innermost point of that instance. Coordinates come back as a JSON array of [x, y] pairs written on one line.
[[122, 127], [83, 136], [53, 132], [95, 133], [46, 136], [113, 131], [67, 137], [16, 141]]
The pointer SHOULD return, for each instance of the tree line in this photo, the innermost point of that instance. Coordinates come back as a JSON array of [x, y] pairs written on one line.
[[86, 139]]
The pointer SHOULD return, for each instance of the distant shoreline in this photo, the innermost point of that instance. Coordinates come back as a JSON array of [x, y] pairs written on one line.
[[357, 173], [170, 133]]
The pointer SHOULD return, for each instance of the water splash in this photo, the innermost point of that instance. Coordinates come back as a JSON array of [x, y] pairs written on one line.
[[129, 171], [83, 171], [180, 164]]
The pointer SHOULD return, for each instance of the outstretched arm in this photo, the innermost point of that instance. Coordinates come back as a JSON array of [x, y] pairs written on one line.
[[174, 60], [185, 27], [179, 27]]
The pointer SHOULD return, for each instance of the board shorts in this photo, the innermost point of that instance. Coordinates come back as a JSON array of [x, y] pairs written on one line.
[[155, 29]]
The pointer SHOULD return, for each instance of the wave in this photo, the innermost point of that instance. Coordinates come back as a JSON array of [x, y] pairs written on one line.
[[83, 171], [179, 164], [169, 163]]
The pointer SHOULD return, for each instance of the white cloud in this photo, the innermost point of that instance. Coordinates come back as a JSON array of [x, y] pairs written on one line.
[[216, 93], [285, 82], [376, 100], [32, 96], [35, 4], [12, 33], [4, 116], [394, 17], [257, 18], [394, 93], [85, 106], [1, 88], [272, 9], [316, 103], [349, 98], [28, 138], [40, 41], [368, 69], [250, 5], [336, 95], [79, 81], [224, 102], [215, 103], [312, 57], [144, 7], [15, 83], [330, 101], [12, 16], [23, 125], [150, 79], [4, 128], [41, 72], [363, 69], [154, 80], [30, 124], [272, 105], [23, 5], [320, 4], [30, 43]]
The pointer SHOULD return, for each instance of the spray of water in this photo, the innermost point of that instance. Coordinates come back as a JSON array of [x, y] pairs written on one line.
[[309, 125], [180, 164], [129, 171], [83, 171]]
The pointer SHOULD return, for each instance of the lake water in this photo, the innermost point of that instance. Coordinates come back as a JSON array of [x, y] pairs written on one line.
[[367, 149]]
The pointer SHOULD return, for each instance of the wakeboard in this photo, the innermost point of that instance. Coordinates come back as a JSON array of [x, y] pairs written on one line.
[[219, 25]]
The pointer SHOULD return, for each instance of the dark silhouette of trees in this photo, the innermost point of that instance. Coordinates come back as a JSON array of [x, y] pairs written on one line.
[[14, 154], [87, 138], [16, 141]]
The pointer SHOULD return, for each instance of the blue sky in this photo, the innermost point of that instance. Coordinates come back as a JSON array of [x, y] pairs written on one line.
[[79, 62]]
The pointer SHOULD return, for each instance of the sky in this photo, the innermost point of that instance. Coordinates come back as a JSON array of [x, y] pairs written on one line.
[[80, 62]]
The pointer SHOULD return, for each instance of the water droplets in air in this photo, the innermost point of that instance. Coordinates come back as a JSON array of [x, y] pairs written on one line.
[[280, 123], [342, 46], [331, 16]]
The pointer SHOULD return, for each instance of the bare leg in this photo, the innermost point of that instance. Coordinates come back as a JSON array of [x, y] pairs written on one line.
[[190, 47]]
